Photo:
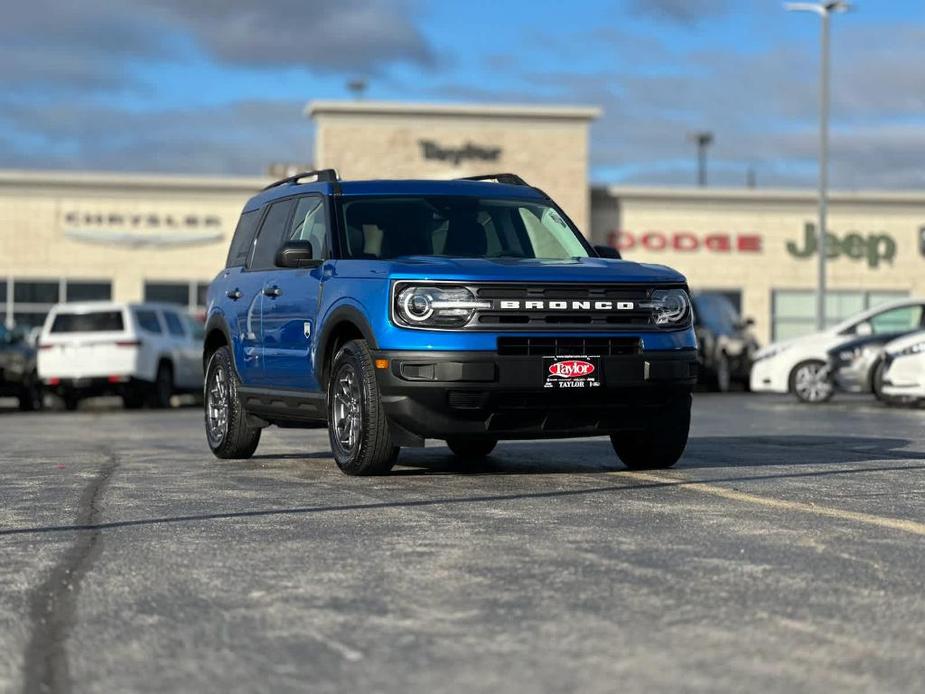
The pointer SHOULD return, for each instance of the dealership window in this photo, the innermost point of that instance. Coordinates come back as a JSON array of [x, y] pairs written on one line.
[[26, 302], [794, 311], [192, 295], [88, 291]]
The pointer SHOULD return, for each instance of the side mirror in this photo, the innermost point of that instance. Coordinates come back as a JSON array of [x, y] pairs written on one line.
[[863, 329], [296, 254], [747, 322], [608, 252]]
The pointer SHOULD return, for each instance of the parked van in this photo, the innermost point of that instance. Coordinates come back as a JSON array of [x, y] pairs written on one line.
[[142, 352]]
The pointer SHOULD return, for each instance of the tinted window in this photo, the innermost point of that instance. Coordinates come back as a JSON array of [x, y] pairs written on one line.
[[896, 320], [308, 224], [26, 292], [88, 291], [459, 227], [167, 292], [174, 326], [96, 322], [147, 321], [243, 238], [270, 237]]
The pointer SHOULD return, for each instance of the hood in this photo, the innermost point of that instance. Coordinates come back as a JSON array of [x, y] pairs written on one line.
[[823, 340], [897, 346], [531, 270]]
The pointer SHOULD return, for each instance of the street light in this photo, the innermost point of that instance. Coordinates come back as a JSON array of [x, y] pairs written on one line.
[[824, 10], [703, 139]]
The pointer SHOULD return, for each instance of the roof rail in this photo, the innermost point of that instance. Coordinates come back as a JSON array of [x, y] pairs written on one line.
[[326, 175], [509, 178]]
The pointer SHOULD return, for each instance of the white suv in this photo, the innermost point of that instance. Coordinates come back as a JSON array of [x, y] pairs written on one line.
[[143, 352]]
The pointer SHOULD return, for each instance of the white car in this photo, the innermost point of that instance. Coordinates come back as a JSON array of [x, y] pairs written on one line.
[[904, 375], [798, 366], [142, 352]]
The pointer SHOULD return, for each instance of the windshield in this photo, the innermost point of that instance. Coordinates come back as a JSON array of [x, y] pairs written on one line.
[[717, 313], [458, 227]]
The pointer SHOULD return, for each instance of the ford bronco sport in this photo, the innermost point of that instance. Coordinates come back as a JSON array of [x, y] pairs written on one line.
[[469, 310]]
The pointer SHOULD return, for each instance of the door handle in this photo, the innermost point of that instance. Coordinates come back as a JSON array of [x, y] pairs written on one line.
[[273, 291], [233, 294]]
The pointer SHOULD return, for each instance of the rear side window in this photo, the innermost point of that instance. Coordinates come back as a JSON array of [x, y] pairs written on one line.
[[174, 325], [96, 322], [147, 321], [243, 238], [271, 235]]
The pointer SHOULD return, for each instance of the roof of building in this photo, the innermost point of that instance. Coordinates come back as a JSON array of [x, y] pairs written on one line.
[[758, 195], [390, 108]]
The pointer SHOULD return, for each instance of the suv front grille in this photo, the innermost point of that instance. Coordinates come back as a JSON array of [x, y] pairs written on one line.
[[568, 346], [543, 307]]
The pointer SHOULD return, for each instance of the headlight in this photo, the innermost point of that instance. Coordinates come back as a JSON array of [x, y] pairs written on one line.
[[669, 307], [436, 307], [917, 348]]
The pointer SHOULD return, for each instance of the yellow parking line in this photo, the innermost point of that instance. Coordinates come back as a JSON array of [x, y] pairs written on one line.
[[907, 526]]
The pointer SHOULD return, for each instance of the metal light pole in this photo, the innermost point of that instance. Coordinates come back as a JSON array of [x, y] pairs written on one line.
[[824, 10], [703, 139]]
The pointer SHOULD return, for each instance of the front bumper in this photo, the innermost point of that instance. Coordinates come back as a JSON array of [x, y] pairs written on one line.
[[441, 394]]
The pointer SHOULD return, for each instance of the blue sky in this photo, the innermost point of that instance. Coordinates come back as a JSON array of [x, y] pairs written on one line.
[[218, 86]]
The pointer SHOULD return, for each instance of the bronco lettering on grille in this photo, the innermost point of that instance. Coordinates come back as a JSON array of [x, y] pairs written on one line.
[[553, 305]]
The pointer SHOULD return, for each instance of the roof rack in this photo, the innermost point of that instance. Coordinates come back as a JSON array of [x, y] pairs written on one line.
[[322, 175], [509, 178]]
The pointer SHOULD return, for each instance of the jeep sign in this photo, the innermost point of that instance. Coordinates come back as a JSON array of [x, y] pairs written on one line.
[[875, 248]]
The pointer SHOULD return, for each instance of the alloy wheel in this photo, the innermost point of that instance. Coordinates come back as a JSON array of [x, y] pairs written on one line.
[[217, 405], [346, 408], [811, 383]]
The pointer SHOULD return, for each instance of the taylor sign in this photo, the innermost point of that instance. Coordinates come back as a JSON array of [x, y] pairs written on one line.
[[874, 248]]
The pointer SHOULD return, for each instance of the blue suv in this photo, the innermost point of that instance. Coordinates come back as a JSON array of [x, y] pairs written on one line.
[[470, 310]]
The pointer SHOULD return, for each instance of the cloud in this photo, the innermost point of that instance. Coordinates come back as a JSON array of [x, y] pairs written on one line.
[[94, 44], [684, 12]]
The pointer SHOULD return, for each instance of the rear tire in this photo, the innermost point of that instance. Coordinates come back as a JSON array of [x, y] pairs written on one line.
[[162, 389], [227, 432], [810, 383], [471, 449], [132, 399], [357, 425], [32, 397], [662, 444]]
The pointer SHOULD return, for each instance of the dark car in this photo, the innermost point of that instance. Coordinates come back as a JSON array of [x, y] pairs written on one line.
[[725, 344], [857, 366], [18, 377]]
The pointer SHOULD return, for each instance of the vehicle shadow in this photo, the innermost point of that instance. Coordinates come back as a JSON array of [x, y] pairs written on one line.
[[589, 456]]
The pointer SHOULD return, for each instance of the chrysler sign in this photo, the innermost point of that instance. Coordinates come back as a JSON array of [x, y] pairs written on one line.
[[137, 229]]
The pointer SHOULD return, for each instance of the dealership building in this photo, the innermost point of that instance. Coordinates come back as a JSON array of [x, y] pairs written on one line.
[[83, 236]]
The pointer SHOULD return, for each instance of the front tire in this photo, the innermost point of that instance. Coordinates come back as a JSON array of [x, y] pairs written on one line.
[[662, 444], [876, 381], [357, 425], [810, 382], [227, 432], [471, 449]]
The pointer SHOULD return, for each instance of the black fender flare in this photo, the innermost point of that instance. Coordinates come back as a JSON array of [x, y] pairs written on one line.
[[340, 315], [216, 322]]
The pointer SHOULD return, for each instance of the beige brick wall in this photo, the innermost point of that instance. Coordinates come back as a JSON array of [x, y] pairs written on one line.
[[777, 220], [551, 153]]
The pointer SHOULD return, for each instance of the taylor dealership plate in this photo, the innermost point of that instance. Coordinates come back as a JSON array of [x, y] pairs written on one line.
[[580, 371]]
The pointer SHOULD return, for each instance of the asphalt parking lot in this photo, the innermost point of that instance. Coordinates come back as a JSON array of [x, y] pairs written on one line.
[[785, 553]]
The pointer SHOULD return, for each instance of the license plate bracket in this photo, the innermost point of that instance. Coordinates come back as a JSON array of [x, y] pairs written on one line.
[[578, 371]]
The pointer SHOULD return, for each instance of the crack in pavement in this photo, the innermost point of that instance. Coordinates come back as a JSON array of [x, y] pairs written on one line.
[[53, 604]]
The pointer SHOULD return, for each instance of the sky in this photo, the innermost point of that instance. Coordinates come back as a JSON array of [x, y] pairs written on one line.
[[219, 86]]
